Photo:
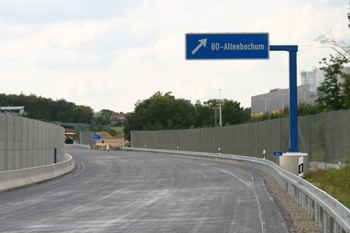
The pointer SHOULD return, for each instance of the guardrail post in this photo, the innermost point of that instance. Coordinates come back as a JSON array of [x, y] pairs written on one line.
[[308, 205], [321, 217], [316, 212], [336, 227], [325, 221], [331, 221]]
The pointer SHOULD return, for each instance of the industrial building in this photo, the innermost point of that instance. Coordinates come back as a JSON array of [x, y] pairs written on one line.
[[307, 92]]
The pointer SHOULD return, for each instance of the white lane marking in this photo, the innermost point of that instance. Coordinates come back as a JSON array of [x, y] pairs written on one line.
[[256, 196]]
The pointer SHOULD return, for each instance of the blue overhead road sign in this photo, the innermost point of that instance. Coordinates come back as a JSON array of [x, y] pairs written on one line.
[[227, 46], [96, 137]]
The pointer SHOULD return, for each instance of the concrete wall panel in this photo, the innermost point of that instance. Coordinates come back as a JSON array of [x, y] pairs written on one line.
[[18, 132], [18, 159], [30, 158], [24, 142], [10, 120], [3, 160], [24, 158], [10, 159], [3, 134], [35, 135], [30, 134]]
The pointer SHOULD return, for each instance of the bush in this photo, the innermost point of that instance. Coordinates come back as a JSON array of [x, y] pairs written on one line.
[[111, 131]]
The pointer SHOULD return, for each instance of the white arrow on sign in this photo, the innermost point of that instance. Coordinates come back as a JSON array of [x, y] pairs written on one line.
[[202, 42]]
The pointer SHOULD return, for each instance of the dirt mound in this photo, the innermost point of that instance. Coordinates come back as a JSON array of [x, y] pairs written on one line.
[[104, 135], [121, 135]]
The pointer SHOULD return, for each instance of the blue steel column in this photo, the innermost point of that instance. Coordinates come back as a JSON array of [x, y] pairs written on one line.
[[293, 103], [293, 95]]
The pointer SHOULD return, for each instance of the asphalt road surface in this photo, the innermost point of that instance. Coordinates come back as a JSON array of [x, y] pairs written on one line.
[[132, 192]]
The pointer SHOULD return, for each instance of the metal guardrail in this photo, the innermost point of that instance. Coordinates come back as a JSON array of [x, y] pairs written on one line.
[[81, 145], [331, 215]]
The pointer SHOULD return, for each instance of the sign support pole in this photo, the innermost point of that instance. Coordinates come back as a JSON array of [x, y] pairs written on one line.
[[293, 94]]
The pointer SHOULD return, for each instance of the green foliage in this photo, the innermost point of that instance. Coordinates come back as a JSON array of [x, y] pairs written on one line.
[[333, 98], [96, 128], [110, 131], [102, 120], [204, 114], [107, 112], [232, 112], [170, 124], [247, 114], [275, 89], [304, 109], [47, 109], [154, 113], [335, 182], [345, 86], [165, 112], [118, 124], [118, 130]]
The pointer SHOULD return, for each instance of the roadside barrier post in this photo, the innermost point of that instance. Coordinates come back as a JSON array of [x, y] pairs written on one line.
[[301, 166], [55, 155]]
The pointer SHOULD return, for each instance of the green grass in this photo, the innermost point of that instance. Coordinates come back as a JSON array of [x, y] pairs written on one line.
[[335, 182], [118, 129]]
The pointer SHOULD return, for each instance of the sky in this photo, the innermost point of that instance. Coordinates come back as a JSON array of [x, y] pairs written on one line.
[[110, 54]]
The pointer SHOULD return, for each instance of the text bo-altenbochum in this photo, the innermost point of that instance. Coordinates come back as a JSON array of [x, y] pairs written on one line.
[[227, 46]]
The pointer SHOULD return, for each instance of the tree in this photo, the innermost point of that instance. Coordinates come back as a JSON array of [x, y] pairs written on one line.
[[170, 125], [47, 109], [82, 114], [247, 114], [155, 112], [204, 115], [328, 40], [333, 98], [232, 112], [119, 123], [345, 86], [100, 120], [107, 112]]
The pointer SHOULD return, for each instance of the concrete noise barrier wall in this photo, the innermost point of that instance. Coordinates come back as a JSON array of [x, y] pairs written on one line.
[[23, 177], [85, 138], [26, 143]]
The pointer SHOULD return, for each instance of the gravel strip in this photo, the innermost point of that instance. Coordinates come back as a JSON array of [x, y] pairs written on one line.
[[296, 217]]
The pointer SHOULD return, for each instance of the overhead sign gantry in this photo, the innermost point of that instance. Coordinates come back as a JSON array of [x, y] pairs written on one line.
[[215, 46]]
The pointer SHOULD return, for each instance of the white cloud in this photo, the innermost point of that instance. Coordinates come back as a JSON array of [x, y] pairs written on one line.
[[111, 61]]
